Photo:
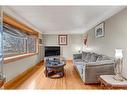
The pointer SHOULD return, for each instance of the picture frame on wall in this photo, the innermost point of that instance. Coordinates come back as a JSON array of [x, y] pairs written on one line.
[[99, 30], [62, 39]]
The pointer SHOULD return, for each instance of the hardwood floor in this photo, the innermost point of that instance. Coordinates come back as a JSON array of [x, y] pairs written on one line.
[[37, 80]]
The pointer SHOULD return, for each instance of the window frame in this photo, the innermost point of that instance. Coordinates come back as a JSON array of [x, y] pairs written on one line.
[[12, 54], [18, 25], [21, 56]]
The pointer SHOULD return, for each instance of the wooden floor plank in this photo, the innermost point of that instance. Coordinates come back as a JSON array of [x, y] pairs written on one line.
[[37, 80]]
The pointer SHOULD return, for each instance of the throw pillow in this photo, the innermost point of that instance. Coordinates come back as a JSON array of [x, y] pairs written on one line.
[[87, 58], [99, 58], [93, 57], [84, 55]]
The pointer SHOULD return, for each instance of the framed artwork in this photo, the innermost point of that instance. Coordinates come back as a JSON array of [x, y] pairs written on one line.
[[99, 30], [62, 39]]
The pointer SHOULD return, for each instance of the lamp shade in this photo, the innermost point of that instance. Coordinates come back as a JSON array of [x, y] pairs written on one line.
[[118, 53]]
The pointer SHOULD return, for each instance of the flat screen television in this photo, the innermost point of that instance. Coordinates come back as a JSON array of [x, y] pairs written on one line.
[[52, 51]]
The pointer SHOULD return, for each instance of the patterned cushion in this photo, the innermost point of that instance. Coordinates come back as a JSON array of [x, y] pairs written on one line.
[[93, 57], [87, 58], [79, 63], [105, 57], [99, 58], [78, 60], [84, 55]]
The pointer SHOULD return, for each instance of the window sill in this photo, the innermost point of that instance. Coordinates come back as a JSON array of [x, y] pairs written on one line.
[[17, 57]]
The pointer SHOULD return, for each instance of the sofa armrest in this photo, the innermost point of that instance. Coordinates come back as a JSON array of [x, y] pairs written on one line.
[[77, 56], [93, 71]]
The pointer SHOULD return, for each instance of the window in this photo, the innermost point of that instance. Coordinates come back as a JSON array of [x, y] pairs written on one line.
[[16, 42], [0, 39], [31, 44]]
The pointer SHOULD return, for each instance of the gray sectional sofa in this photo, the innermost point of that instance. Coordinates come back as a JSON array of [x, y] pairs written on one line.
[[91, 65]]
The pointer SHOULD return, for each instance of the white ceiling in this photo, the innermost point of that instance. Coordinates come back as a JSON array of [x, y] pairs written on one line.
[[62, 19]]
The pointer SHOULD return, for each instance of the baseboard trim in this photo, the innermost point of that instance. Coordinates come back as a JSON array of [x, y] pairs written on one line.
[[11, 84]]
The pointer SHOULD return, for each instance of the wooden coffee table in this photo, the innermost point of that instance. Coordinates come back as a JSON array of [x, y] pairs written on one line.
[[55, 71], [109, 82]]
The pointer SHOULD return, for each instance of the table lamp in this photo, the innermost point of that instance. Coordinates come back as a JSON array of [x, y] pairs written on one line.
[[118, 64]]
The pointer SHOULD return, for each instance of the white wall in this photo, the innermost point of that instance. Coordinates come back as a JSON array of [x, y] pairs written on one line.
[[74, 42], [15, 68], [115, 37]]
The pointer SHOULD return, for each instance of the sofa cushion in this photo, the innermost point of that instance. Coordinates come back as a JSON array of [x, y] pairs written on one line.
[[87, 58], [80, 70], [93, 57], [84, 55], [99, 58], [79, 63], [105, 58], [78, 60]]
